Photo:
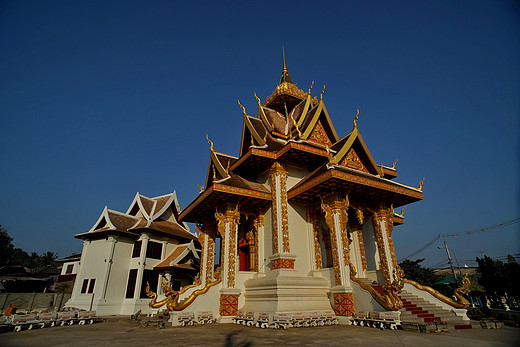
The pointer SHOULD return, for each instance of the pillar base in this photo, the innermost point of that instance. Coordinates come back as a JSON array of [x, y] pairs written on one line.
[[282, 261], [343, 299], [229, 302]]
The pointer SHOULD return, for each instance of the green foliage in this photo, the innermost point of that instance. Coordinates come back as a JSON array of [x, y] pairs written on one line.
[[499, 277], [416, 272], [9, 255]]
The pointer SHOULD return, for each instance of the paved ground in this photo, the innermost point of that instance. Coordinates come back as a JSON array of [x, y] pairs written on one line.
[[124, 332]]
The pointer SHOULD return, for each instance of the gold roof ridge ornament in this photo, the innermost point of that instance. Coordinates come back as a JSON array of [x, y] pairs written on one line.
[[201, 188], [421, 184], [257, 99], [395, 162], [330, 156], [295, 125], [210, 143], [310, 88], [356, 117], [322, 92], [243, 109]]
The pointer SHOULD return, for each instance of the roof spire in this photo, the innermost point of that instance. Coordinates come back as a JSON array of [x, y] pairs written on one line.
[[285, 72]]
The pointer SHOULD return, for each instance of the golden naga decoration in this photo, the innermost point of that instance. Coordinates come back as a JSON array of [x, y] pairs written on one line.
[[243, 108], [461, 302], [201, 188], [257, 99], [390, 299], [322, 92], [356, 117], [310, 88], [330, 156], [172, 296], [295, 125], [394, 163], [401, 214], [210, 143], [421, 184]]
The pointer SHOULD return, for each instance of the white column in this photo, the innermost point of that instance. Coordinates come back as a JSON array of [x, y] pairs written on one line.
[[142, 263]]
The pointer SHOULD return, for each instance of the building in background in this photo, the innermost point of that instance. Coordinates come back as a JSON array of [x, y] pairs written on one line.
[[125, 252]]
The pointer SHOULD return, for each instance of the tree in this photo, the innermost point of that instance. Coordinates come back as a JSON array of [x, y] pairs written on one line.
[[6, 247], [415, 272], [498, 277]]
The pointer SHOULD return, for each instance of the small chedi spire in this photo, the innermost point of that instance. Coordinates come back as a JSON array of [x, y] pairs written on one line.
[[285, 73]]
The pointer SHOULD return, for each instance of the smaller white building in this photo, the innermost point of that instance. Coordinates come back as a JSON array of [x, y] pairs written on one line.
[[123, 252]]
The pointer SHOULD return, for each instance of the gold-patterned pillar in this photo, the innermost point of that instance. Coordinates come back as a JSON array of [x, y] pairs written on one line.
[[385, 262], [313, 217], [281, 258], [227, 226], [206, 236], [389, 225], [336, 218]]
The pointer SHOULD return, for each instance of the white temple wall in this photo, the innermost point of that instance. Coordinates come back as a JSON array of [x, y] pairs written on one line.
[[265, 263], [298, 237], [369, 240], [118, 279], [295, 175]]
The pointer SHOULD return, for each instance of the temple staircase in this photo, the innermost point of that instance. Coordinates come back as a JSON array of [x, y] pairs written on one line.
[[419, 310]]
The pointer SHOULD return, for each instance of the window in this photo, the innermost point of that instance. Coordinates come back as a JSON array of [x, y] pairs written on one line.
[[136, 253], [84, 286], [70, 267], [154, 250], [130, 288], [151, 277], [91, 286]]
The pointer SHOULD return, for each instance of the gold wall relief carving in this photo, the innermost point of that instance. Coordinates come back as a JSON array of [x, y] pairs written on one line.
[[377, 218], [319, 134], [282, 264], [389, 228], [313, 217], [360, 217], [285, 217], [362, 250], [275, 215], [353, 161]]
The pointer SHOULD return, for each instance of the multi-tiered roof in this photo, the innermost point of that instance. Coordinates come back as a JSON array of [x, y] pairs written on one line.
[[295, 128]]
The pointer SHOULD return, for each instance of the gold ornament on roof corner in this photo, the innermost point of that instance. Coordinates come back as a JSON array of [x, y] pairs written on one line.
[[329, 155], [227, 167], [401, 214], [322, 92], [210, 143], [421, 184], [257, 99], [243, 108], [395, 162], [201, 188], [296, 125], [310, 88], [356, 117]]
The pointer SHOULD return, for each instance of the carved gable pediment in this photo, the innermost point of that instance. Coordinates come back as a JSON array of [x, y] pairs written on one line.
[[319, 135], [353, 161]]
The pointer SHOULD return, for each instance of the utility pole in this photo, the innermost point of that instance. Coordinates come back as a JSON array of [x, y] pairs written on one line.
[[449, 256]]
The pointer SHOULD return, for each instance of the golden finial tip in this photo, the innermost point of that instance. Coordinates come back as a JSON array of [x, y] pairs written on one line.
[[356, 117], [310, 88], [421, 184], [394, 163], [322, 92], [210, 142]]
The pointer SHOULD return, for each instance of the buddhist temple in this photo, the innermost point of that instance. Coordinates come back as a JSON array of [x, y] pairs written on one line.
[[301, 220]]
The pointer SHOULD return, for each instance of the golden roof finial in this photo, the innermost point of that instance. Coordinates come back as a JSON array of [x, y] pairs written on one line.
[[227, 167], [356, 117], [322, 92], [421, 184], [381, 168], [201, 188], [257, 99], [395, 162], [310, 88], [243, 108], [284, 67], [401, 214], [210, 143]]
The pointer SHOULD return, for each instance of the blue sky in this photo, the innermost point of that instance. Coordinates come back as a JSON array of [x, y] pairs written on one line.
[[101, 99]]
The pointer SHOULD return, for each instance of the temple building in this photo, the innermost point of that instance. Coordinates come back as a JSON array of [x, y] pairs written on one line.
[[123, 252], [300, 221]]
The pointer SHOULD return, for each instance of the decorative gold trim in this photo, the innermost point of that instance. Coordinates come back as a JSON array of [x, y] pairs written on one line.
[[389, 226], [378, 217], [285, 217], [462, 290], [329, 220], [172, 296], [274, 210], [362, 254], [313, 218]]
